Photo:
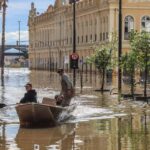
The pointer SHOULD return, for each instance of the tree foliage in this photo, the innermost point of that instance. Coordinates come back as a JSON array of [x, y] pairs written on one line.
[[129, 64], [140, 45], [102, 57]]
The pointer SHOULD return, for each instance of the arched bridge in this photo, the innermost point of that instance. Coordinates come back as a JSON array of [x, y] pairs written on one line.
[[23, 48]]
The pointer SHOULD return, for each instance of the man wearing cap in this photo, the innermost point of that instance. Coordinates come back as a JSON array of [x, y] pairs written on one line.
[[67, 89], [30, 96]]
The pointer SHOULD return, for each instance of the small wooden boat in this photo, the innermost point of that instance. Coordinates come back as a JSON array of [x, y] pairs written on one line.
[[39, 115]]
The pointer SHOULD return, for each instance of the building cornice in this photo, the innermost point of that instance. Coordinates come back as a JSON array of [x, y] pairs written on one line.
[[133, 7]]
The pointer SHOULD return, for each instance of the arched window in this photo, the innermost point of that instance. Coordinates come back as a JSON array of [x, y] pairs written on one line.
[[128, 26], [145, 23]]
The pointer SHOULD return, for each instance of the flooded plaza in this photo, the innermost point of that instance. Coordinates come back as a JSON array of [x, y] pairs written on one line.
[[99, 122]]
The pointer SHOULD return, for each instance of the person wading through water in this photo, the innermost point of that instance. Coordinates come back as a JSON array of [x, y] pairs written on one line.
[[30, 96], [67, 90]]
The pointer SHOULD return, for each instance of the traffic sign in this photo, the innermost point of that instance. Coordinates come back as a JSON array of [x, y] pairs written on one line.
[[74, 57]]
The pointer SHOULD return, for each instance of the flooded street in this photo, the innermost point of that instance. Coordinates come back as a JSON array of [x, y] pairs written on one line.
[[99, 122]]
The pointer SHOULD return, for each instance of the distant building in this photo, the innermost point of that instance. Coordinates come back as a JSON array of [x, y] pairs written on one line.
[[50, 33], [14, 58]]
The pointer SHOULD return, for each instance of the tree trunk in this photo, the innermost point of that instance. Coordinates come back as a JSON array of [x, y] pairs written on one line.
[[145, 75], [103, 79], [132, 83], [132, 80]]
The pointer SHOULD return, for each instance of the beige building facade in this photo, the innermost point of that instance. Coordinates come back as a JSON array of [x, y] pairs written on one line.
[[51, 33]]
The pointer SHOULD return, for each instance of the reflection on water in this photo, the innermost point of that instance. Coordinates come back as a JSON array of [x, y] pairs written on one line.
[[99, 122], [12, 137], [44, 138], [123, 133]]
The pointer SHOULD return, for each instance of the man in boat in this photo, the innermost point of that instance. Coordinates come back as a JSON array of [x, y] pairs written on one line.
[[30, 96], [67, 89]]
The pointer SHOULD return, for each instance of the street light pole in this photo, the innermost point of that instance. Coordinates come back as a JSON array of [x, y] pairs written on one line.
[[59, 49], [74, 38], [120, 48], [3, 40], [19, 35]]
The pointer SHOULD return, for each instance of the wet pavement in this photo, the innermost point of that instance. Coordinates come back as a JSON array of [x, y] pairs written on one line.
[[99, 122]]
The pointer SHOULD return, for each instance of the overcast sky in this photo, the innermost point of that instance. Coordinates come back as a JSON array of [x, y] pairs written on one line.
[[18, 10]]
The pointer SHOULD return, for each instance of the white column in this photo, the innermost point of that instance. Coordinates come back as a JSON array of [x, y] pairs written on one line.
[[111, 22]]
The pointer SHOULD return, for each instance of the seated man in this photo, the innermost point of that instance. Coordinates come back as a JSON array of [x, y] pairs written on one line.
[[30, 96]]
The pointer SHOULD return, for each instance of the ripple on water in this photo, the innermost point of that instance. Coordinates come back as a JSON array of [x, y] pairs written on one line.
[[9, 115], [86, 113], [89, 96]]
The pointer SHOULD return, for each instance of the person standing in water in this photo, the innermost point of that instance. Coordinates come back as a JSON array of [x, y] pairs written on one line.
[[67, 89]]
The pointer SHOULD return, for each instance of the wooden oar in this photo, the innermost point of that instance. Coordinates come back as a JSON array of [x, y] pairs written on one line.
[[2, 105]]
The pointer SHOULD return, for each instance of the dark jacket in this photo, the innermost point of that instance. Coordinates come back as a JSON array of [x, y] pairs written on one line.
[[29, 97]]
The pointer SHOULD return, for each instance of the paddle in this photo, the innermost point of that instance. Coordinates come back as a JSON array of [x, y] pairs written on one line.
[[2, 105]]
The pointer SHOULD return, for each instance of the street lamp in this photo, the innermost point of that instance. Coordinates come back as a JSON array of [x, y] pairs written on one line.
[[120, 47], [19, 35], [3, 5], [74, 35]]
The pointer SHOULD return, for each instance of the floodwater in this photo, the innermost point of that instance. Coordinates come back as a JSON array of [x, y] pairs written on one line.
[[99, 122]]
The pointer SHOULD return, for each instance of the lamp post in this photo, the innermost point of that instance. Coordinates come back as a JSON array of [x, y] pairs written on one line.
[[74, 36], [19, 35], [3, 4], [59, 49], [120, 47]]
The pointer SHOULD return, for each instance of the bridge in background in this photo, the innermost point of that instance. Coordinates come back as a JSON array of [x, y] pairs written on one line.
[[23, 48]]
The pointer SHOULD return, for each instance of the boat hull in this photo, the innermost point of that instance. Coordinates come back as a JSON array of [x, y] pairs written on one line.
[[38, 115]]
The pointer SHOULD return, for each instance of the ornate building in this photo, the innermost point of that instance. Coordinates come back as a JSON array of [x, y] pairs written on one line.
[[50, 33]]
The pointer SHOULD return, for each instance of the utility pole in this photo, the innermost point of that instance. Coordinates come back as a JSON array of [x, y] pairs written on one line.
[[120, 48], [59, 49], [73, 2], [74, 38], [19, 36], [3, 4]]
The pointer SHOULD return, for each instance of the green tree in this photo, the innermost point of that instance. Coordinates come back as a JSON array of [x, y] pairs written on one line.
[[102, 57], [130, 65], [140, 43]]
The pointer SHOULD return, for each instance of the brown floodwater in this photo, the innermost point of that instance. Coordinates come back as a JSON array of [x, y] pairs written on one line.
[[99, 122]]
